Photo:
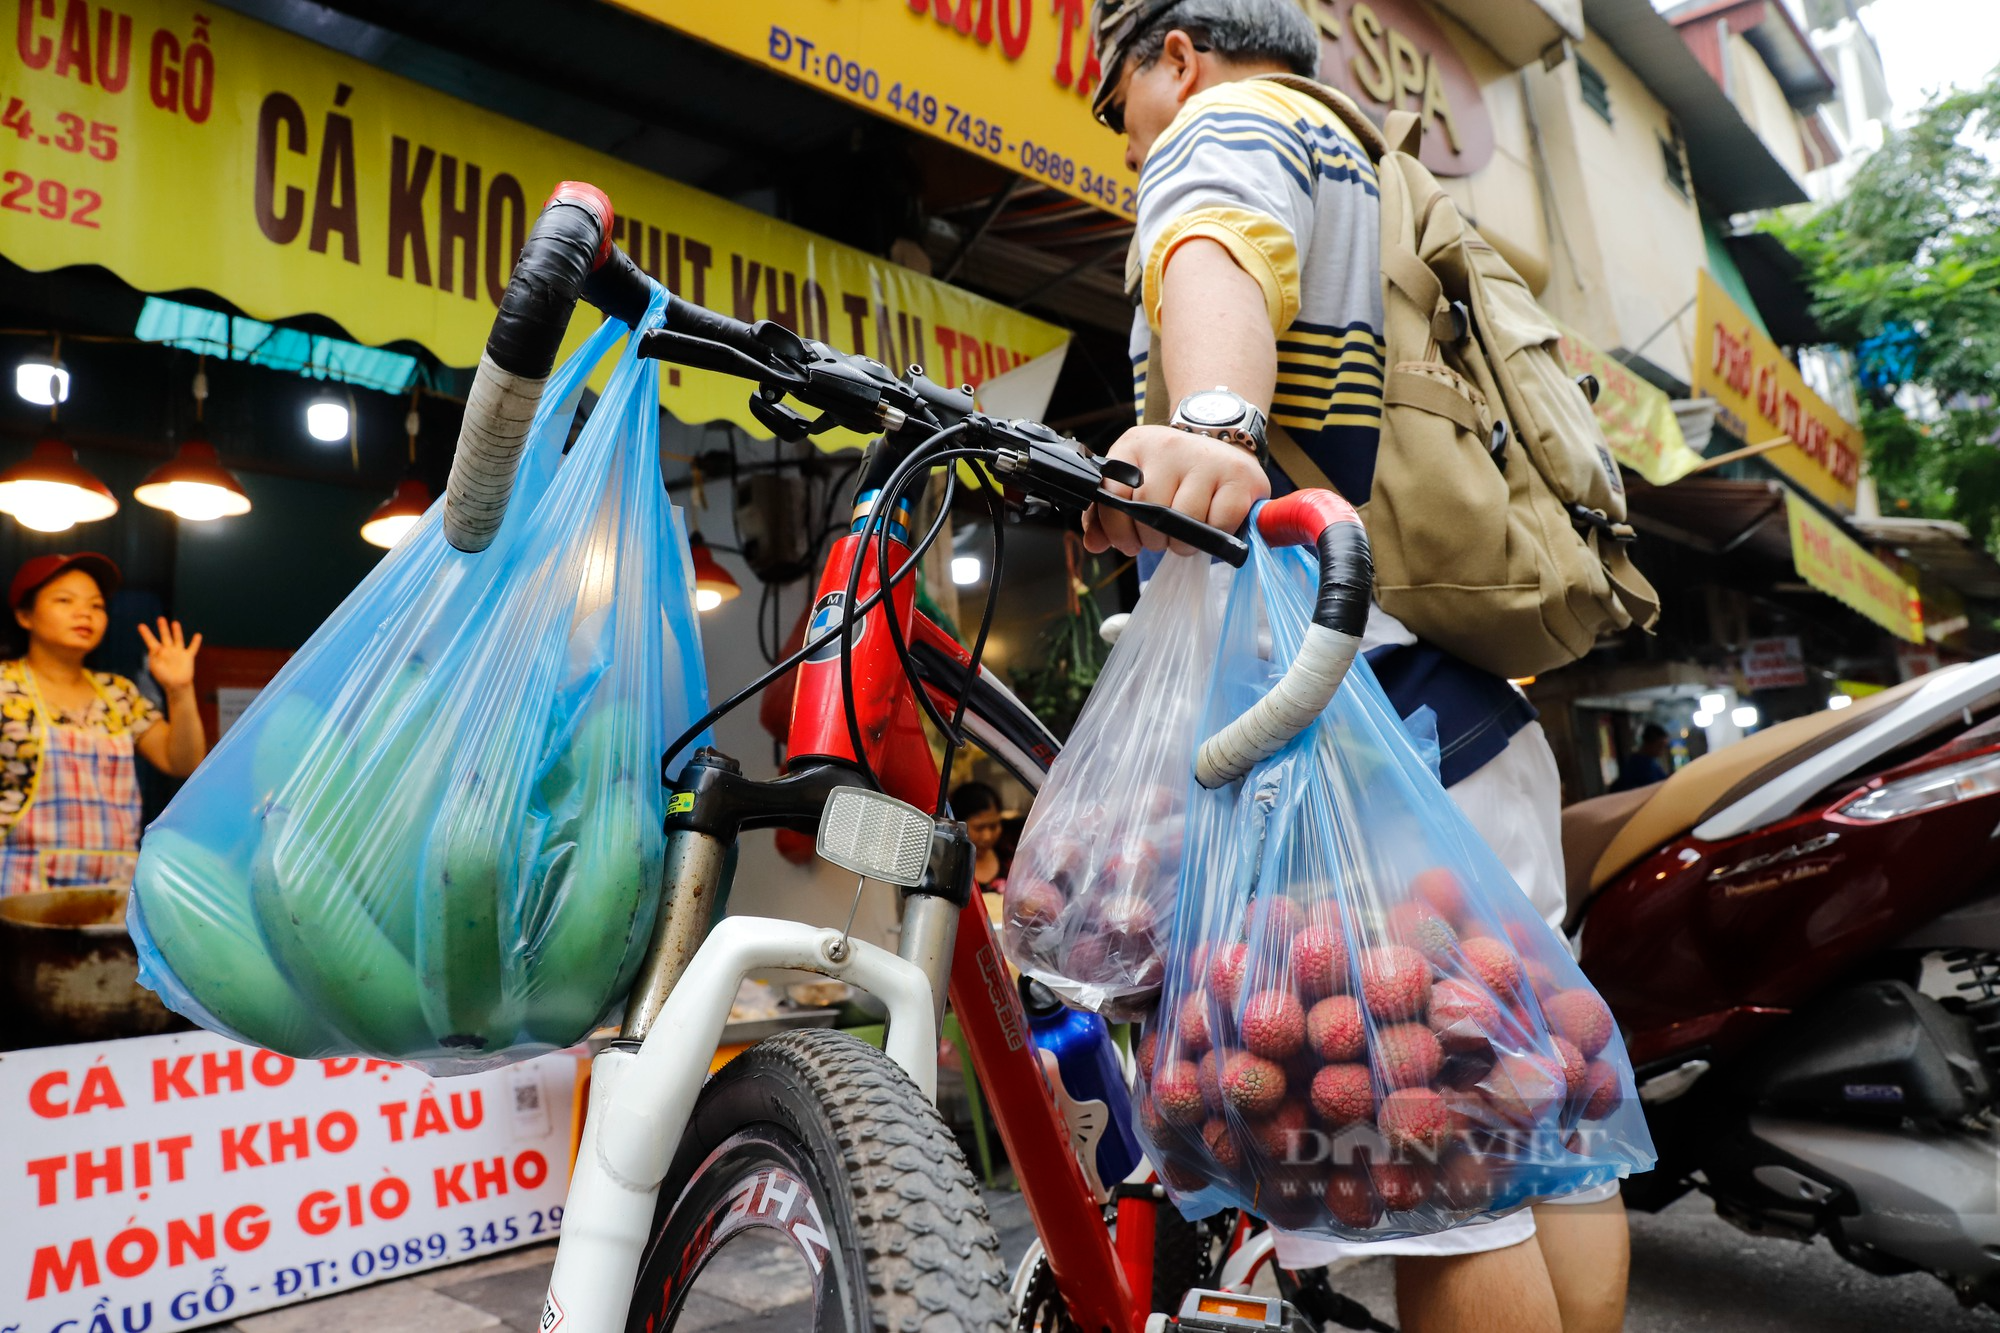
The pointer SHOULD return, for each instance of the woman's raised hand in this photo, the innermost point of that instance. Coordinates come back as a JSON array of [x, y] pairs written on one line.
[[170, 655]]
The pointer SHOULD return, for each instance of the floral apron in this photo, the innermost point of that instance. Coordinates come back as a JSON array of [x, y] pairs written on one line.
[[81, 826]]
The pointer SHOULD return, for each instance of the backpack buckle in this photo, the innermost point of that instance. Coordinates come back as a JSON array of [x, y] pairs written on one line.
[[1602, 523]]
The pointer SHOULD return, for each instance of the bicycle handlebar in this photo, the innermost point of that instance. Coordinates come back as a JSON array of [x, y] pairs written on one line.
[[1323, 520], [569, 256]]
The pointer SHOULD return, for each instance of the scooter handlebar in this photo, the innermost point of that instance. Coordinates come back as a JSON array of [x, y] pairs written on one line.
[[1329, 523]]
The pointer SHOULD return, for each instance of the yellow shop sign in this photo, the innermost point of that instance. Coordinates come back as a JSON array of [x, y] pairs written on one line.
[[1836, 564], [1009, 80], [1760, 396], [191, 147]]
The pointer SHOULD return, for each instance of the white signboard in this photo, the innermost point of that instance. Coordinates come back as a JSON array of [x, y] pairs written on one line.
[[230, 703], [173, 1182], [1773, 664]]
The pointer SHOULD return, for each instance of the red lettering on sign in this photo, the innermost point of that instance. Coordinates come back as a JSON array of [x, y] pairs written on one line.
[[239, 1148]]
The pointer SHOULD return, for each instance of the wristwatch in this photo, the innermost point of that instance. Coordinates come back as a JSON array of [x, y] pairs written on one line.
[[1224, 416]]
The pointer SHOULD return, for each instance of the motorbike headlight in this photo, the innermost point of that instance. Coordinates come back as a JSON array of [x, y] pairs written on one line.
[[1919, 792]]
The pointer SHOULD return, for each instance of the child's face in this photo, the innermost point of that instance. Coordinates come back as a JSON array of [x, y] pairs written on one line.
[[984, 830]]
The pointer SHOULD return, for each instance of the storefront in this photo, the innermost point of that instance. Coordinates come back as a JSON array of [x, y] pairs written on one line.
[[227, 232]]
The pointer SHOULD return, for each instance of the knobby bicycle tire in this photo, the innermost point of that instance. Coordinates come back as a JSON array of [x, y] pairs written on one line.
[[824, 1141]]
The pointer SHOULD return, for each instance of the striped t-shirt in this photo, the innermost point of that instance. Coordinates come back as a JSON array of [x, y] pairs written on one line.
[[1275, 177]]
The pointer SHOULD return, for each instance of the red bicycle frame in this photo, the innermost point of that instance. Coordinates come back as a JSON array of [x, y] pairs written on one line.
[[1106, 1289]]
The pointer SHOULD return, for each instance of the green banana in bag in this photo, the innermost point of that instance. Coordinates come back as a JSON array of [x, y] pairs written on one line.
[[193, 904]]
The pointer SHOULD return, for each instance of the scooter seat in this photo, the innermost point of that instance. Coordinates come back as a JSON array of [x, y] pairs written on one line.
[[1606, 835]]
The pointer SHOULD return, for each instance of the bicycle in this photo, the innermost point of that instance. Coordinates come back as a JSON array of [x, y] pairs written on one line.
[[829, 1142]]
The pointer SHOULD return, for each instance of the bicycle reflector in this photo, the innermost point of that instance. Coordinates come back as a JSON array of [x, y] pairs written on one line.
[[1226, 1312], [875, 835]]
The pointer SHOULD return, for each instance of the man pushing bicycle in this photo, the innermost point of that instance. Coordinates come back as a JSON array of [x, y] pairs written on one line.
[[1258, 347]]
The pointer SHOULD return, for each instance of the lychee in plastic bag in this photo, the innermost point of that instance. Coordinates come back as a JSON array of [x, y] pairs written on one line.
[[1094, 882], [1365, 1030]]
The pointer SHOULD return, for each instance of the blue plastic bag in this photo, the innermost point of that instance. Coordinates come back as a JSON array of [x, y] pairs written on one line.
[[1365, 1030], [436, 837]]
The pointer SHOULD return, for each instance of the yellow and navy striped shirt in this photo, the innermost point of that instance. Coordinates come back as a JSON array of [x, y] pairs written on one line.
[[1273, 176]]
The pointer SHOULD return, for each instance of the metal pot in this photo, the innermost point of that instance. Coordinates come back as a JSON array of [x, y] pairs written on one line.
[[70, 972]]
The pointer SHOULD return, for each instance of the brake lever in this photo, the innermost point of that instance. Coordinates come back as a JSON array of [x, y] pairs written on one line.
[[1224, 546], [684, 349], [1055, 468]]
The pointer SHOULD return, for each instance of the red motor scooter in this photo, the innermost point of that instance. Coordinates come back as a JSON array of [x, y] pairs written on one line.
[[1800, 936]]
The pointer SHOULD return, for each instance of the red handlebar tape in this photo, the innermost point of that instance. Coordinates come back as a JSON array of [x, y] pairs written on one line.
[[585, 195], [1298, 519]]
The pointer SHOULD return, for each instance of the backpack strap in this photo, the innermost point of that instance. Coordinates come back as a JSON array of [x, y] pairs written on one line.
[[1341, 105]]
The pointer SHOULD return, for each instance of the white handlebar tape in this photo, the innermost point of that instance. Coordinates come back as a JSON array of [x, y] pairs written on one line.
[[1298, 698], [498, 414]]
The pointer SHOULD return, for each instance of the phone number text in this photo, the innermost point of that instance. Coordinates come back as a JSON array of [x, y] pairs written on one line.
[[812, 61]]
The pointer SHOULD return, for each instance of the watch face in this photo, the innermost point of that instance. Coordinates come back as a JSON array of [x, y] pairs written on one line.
[[1212, 408]]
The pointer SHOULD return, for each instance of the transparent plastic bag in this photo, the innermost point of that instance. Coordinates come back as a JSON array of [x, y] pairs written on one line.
[[1365, 1030], [436, 836], [1092, 889]]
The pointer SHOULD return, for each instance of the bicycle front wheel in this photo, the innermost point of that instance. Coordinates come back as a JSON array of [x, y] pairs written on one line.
[[824, 1147]]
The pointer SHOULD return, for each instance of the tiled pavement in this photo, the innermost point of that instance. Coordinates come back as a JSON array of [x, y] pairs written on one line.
[[1691, 1273]]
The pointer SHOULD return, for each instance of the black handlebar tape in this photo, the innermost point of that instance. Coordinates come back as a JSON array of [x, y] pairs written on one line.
[[569, 240], [1327, 522], [620, 288], [1346, 579]]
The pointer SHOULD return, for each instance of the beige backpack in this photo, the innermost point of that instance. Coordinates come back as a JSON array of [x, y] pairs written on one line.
[[1497, 516]]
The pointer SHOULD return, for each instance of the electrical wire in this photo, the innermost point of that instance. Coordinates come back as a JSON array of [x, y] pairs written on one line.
[[922, 456], [897, 641], [954, 737], [763, 682]]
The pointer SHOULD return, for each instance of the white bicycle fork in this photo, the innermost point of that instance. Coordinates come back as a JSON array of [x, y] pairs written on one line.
[[640, 1100]]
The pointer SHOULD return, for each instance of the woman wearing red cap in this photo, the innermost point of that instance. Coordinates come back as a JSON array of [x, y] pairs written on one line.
[[69, 792]]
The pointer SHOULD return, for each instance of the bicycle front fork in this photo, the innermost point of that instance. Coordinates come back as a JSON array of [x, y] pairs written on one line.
[[714, 805], [644, 1085]]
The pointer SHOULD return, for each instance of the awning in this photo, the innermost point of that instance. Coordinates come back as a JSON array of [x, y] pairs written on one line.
[[1733, 168], [1941, 548], [1778, 41], [1767, 521], [1714, 515]]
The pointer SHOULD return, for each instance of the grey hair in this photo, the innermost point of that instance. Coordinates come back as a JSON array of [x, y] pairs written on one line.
[[1238, 30]]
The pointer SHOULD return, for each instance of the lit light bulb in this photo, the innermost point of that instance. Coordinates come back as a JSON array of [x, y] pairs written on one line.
[[706, 599], [1704, 719], [326, 418], [1839, 701], [966, 570], [1744, 716], [50, 492], [386, 532], [42, 383], [194, 486], [1713, 703], [198, 502]]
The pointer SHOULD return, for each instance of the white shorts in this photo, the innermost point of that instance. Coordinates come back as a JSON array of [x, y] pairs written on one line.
[[1514, 801]]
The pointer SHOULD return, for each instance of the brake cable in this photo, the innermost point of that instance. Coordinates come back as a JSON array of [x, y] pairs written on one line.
[[763, 682], [925, 454]]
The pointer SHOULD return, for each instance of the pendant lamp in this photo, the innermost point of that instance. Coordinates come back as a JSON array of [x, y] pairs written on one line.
[[395, 516], [194, 485], [50, 491], [713, 585]]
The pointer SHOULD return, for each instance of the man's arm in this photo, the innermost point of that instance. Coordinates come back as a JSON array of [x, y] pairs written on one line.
[[1215, 329]]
